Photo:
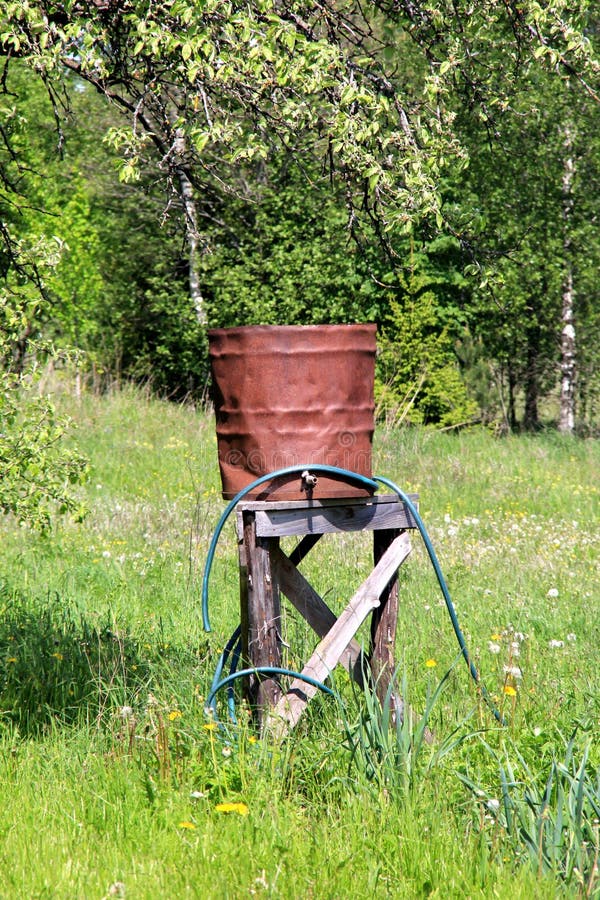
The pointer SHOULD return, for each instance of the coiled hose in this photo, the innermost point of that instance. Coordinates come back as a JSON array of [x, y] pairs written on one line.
[[232, 647]]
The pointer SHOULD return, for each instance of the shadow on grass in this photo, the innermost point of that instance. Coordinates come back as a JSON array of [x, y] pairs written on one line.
[[58, 667]]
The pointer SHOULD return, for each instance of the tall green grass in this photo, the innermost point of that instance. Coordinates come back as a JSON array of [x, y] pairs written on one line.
[[115, 782]]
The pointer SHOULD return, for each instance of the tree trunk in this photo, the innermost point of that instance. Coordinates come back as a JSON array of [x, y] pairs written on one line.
[[566, 422], [192, 234], [530, 417], [512, 411]]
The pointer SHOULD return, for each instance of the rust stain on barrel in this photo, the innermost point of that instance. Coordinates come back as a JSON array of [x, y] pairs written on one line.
[[289, 395]]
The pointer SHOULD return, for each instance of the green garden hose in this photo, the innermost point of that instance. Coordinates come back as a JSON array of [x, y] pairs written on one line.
[[372, 484]]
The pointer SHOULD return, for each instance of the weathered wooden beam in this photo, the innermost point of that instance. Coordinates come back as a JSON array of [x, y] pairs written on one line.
[[261, 619], [328, 653], [313, 608], [383, 629], [327, 517], [331, 519], [304, 548]]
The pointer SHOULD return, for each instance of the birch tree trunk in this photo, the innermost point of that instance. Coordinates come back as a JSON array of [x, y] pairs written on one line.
[[186, 191], [566, 423]]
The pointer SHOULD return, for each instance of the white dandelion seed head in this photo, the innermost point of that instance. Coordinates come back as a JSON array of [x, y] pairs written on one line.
[[513, 671]]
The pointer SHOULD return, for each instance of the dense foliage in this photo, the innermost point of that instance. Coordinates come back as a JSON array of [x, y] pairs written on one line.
[[36, 472], [422, 165]]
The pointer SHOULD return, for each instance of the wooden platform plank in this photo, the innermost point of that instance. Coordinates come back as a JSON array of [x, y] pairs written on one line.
[[335, 514], [330, 650], [373, 514], [322, 503]]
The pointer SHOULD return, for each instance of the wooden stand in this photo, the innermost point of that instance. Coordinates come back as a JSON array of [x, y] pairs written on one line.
[[266, 572]]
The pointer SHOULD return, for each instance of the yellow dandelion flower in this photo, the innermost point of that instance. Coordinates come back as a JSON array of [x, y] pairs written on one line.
[[188, 825], [240, 808], [57, 656], [11, 659], [431, 663], [210, 726], [252, 739], [496, 637], [174, 714], [510, 691]]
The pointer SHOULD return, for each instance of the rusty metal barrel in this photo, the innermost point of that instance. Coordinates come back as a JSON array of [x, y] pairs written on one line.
[[289, 395]]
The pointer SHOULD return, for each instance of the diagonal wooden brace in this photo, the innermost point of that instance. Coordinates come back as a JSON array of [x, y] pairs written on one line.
[[287, 711], [315, 611]]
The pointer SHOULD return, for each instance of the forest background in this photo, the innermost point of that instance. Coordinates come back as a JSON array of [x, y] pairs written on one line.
[[168, 167]]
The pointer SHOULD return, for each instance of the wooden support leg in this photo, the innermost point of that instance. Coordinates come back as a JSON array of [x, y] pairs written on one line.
[[384, 621], [383, 628], [261, 617]]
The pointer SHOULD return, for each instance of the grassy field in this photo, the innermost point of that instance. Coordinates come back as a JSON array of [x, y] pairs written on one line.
[[114, 781]]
